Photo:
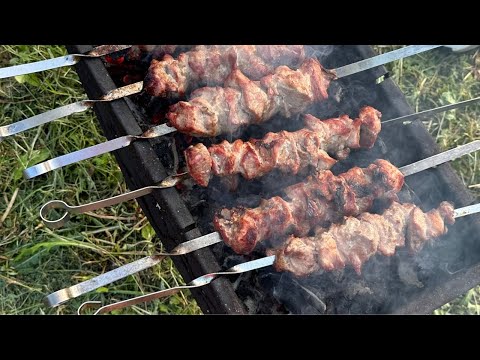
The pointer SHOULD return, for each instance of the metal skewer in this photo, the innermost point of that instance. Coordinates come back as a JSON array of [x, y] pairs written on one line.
[[425, 113], [161, 130], [61, 61], [195, 283], [208, 278], [95, 150], [379, 60], [81, 209], [84, 287], [79, 106]]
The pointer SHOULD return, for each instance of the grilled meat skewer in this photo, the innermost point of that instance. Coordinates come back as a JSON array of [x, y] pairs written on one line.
[[435, 227], [247, 105], [288, 151], [357, 239], [212, 111], [171, 181], [210, 65], [320, 200], [84, 287]]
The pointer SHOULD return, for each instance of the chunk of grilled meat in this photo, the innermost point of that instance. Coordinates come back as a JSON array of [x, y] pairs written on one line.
[[358, 239], [211, 65], [290, 152], [320, 200], [212, 111]]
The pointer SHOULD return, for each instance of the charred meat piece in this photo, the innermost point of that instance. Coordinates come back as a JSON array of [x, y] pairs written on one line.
[[357, 239], [320, 200], [290, 152], [211, 65], [212, 111]]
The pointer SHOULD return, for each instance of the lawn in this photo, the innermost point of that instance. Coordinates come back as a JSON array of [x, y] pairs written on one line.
[[35, 261]]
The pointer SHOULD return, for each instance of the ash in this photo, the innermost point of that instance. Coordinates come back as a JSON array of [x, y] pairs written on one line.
[[386, 282]]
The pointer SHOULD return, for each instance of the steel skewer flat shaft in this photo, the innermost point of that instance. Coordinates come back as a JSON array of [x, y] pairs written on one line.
[[430, 112], [81, 209], [195, 283], [92, 151], [467, 210], [84, 287], [58, 113], [121, 272], [58, 62], [382, 59]]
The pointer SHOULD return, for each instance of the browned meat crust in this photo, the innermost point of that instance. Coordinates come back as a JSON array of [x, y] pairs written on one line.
[[321, 199], [211, 65], [357, 239], [290, 152], [212, 111]]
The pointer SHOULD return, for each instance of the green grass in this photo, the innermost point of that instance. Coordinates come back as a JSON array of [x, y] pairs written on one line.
[[35, 261]]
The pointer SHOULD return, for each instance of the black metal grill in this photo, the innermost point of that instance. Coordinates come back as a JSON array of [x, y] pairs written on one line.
[[172, 218]]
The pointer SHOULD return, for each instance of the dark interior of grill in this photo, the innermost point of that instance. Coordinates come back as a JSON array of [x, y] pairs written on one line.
[[401, 283]]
